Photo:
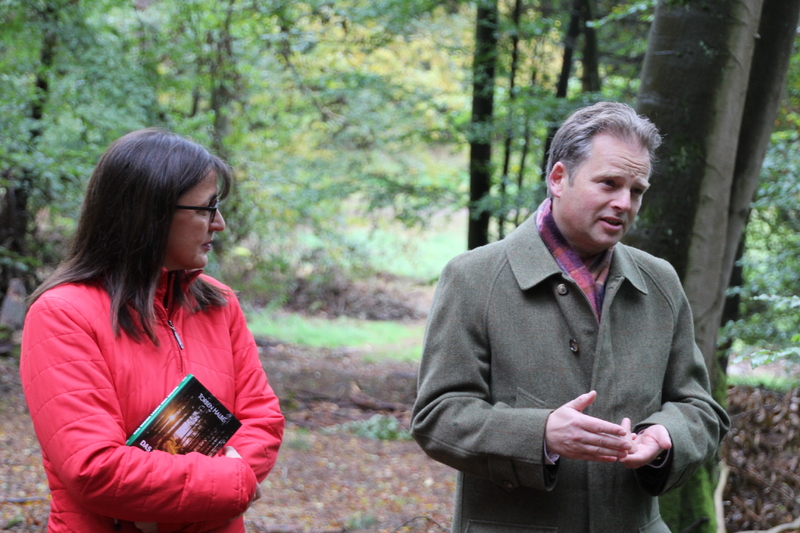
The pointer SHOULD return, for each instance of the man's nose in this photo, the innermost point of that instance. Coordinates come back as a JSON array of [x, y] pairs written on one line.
[[622, 200]]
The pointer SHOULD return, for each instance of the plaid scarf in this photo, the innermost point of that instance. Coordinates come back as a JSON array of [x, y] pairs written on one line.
[[590, 275]]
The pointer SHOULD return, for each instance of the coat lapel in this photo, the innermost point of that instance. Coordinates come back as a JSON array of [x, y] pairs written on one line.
[[529, 258], [532, 263]]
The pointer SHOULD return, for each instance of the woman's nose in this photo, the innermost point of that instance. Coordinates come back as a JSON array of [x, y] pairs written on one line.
[[218, 224]]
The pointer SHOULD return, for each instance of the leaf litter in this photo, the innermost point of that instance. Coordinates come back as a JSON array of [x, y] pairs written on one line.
[[331, 479]]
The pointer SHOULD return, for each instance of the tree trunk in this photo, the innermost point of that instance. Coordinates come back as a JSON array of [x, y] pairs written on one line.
[[573, 31], [716, 128], [15, 209], [591, 62], [685, 216], [480, 160], [523, 158], [509, 132], [223, 77], [776, 33]]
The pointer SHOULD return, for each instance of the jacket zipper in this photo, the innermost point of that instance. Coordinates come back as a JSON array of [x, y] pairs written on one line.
[[175, 333]]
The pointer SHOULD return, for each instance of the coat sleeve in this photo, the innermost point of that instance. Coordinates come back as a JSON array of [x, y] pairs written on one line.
[[78, 421], [696, 423], [257, 407], [454, 418]]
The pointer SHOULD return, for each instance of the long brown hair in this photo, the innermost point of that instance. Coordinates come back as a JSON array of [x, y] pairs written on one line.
[[121, 239]]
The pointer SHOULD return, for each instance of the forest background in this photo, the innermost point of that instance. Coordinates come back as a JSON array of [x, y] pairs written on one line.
[[355, 126]]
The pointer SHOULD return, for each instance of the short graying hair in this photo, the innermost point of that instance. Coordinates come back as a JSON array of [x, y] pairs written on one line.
[[573, 140]]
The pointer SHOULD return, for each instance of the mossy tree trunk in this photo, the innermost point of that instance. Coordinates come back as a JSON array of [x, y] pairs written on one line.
[[711, 82]]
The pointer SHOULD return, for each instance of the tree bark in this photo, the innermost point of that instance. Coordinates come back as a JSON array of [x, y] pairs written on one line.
[[483, 82], [573, 32], [686, 214], [571, 37], [223, 77], [591, 61], [770, 67], [509, 133], [716, 127], [15, 209]]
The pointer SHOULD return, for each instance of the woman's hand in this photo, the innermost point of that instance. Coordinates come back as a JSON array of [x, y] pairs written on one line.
[[230, 451]]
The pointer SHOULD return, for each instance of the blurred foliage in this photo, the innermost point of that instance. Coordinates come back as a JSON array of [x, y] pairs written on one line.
[[526, 109], [770, 306], [335, 114], [378, 427], [303, 99], [327, 110]]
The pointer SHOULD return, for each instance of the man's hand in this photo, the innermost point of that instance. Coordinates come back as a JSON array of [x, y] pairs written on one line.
[[574, 435], [146, 527], [649, 442]]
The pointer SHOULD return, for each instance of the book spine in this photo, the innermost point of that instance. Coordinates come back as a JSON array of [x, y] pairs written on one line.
[[132, 439]]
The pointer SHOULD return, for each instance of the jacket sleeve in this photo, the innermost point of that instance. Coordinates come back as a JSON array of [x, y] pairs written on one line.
[[454, 418], [257, 407], [78, 421], [696, 423]]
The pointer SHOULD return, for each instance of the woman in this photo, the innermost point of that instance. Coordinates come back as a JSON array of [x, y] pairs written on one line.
[[116, 327]]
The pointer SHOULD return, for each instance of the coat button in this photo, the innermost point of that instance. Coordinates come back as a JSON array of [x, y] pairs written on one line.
[[562, 289], [573, 345]]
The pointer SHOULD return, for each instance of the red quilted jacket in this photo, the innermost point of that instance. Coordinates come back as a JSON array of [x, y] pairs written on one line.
[[88, 390]]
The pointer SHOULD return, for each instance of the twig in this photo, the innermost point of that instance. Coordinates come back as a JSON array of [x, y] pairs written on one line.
[[779, 529], [751, 412], [369, 403], [694, 525], [719, 509], [26, 499], [758, 479], [427, 518]]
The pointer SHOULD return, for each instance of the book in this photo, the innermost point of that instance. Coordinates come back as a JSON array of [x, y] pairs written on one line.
[[189, 419]]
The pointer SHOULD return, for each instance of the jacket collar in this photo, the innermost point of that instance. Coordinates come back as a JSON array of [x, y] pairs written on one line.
[[532, 263], [165, 282]]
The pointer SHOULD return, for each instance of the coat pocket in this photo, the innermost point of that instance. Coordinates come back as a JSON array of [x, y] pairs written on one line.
[[526, 399], [480, 526]]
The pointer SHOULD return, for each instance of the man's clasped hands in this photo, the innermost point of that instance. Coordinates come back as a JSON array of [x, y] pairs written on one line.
[[574, 435]]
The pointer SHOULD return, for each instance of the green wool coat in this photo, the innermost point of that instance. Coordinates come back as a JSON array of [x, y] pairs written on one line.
[[510, 338]]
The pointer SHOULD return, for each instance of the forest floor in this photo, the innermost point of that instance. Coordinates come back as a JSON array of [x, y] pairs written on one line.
[[327, 479], [331, 479]]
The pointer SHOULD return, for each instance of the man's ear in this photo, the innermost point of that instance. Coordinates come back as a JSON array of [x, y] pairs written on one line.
[[557, 179]]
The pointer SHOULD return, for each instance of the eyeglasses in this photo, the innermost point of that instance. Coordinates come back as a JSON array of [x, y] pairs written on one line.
[[212, 209]]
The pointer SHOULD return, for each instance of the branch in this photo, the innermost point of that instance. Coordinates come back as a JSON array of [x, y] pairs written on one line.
[[26, 499], [779, 529], [719, 509], [426, 518]]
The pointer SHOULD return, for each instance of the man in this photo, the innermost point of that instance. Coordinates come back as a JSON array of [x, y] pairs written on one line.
[[560, 374]]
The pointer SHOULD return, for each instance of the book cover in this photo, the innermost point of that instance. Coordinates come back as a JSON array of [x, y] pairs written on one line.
[[190, 419]]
